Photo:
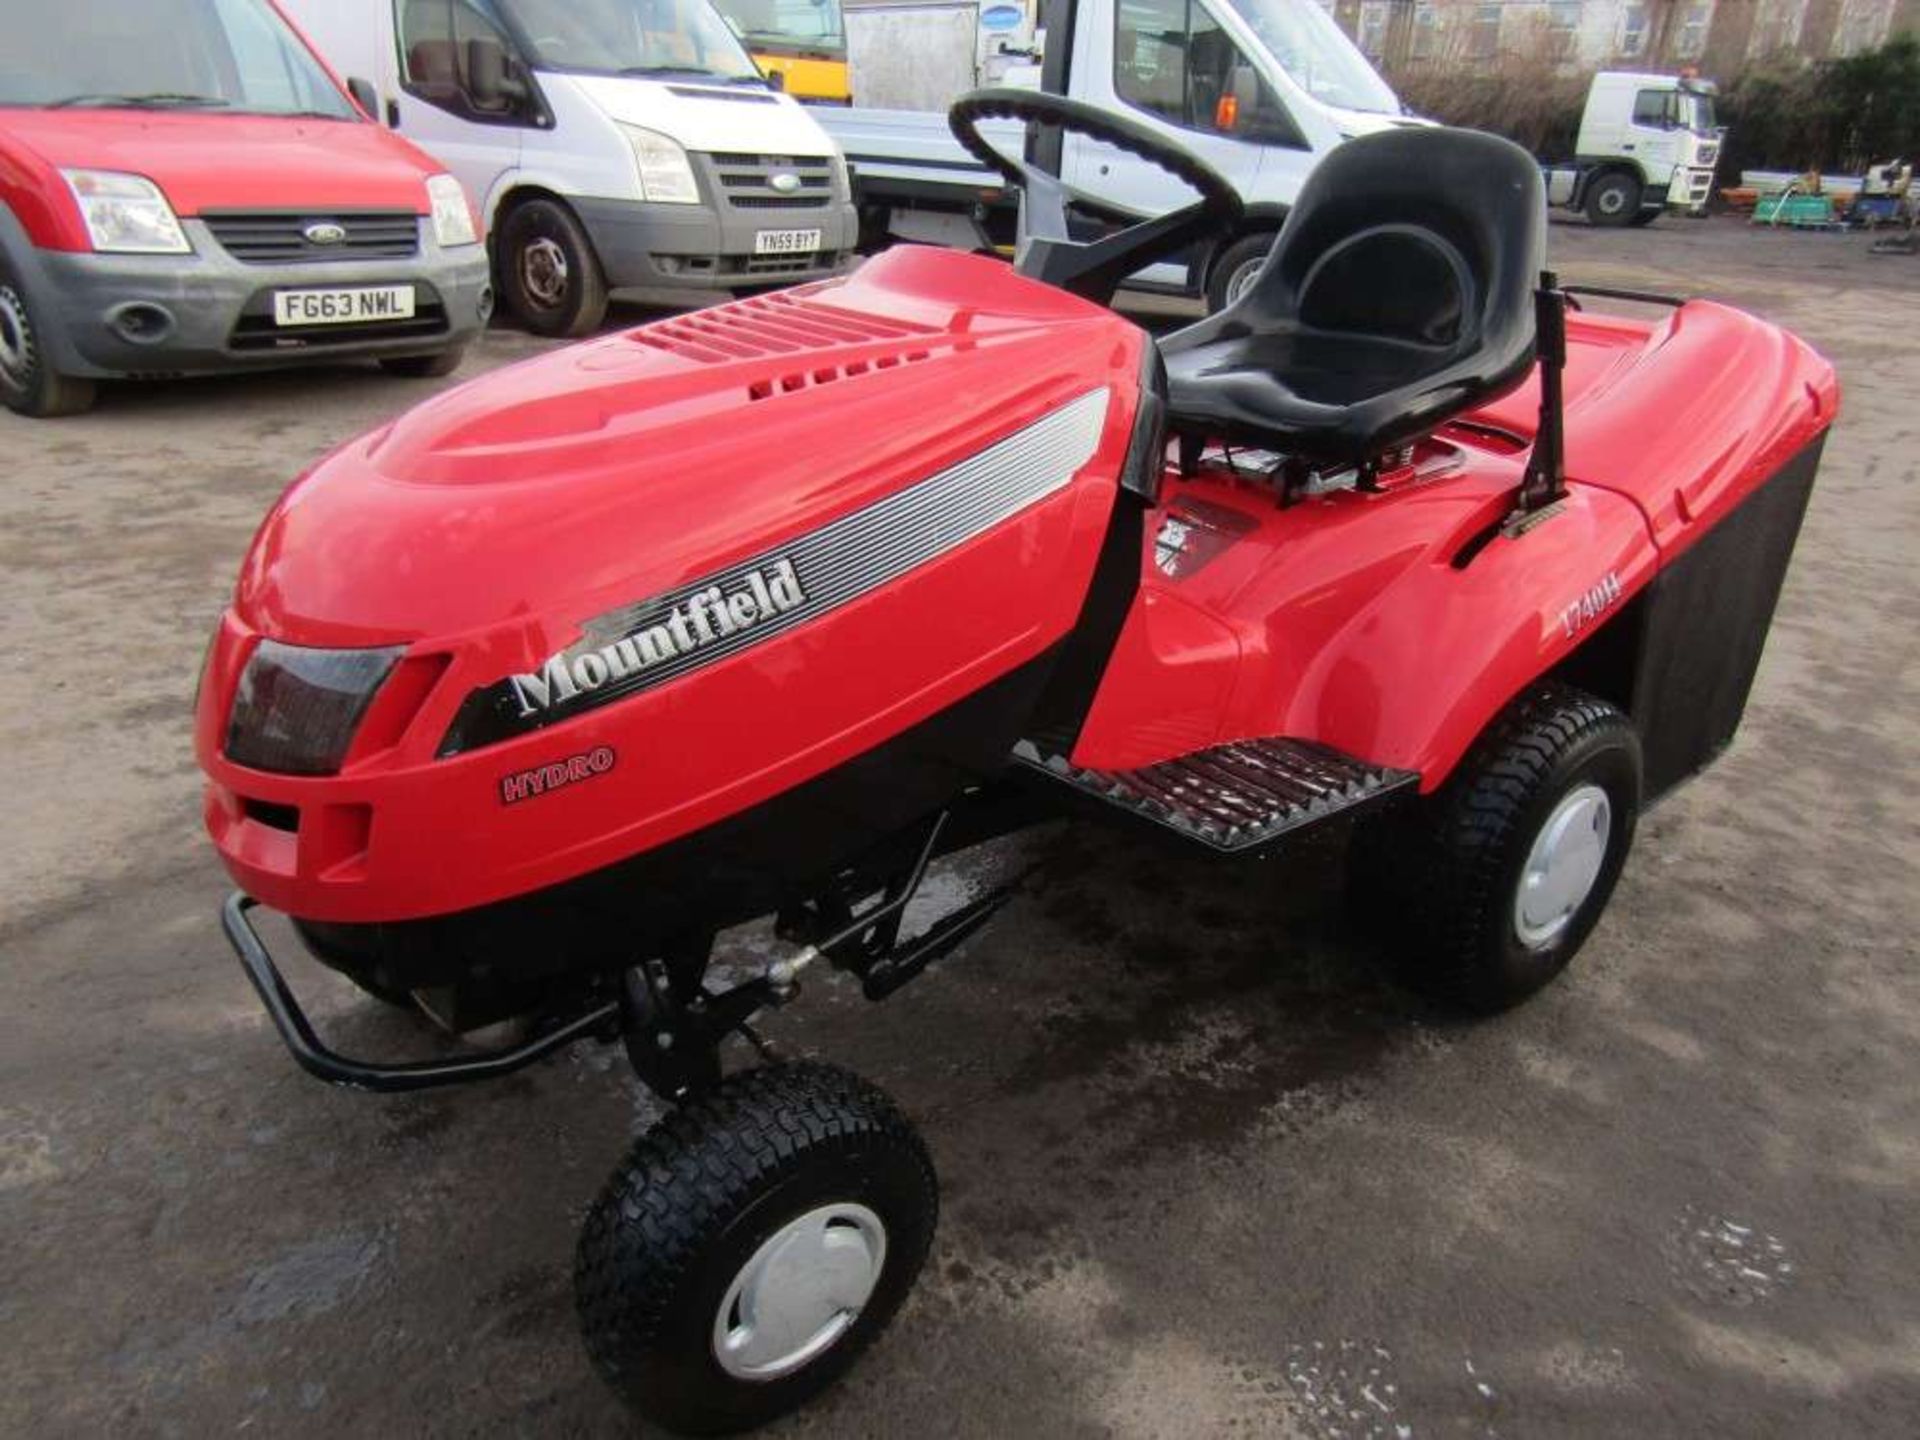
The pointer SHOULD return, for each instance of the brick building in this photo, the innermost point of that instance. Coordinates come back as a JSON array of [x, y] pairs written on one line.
[[1719, 36]]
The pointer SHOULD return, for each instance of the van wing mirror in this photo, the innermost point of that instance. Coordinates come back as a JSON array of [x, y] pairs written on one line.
[[491, 80], [364, 95]]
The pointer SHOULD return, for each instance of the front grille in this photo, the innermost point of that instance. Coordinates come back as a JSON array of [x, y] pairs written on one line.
[[269, 238], [744, 182]]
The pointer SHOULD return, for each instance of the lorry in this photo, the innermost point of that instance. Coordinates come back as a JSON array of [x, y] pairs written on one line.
[[1260, 89], [609, 144], [802, 42], [185, 188], [1647, 144]]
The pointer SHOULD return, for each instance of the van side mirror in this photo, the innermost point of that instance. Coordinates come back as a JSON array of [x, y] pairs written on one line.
[[490, 79], [776, 79], [364, 95]]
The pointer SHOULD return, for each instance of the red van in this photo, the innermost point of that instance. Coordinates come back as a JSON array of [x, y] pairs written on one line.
[[185, 188]]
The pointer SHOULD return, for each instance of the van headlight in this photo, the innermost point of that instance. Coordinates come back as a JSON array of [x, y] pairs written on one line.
[[296, 709], [452, 215], [666, 175], [126, 214]]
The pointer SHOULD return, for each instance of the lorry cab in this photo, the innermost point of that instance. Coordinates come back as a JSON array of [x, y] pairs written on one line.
[[1260, 89], [1647, 143], [610, 143], [185, 188]]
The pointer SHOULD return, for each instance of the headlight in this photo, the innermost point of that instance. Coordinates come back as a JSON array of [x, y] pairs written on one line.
[[126, 213], [452, 216], [665, 174], [845, 172], [296, 710]]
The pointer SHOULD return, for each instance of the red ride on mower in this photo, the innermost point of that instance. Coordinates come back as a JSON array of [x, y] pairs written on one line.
[[525, 698]]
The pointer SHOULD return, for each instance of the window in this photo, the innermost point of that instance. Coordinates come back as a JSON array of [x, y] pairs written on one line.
[[1171, 58], [1633, 31], [1426, 24], [1653, 107], [1690, 36], [1373, 28], [228, 57], [438, 44], [1563, 29], [1316, 55], [1863, 25], [1484, 41], [1777, 28]]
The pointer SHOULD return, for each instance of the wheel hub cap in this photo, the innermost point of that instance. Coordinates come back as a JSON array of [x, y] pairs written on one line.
[[543, 269], [801, 1291], [16, 342], [1243, 279], [1563, 866]]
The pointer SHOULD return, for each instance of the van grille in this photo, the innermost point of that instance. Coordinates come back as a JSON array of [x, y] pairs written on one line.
[[745, 182], [268, 238]]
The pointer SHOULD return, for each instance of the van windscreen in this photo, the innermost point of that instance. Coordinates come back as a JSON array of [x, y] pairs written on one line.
[[222, 56], [630, 37]]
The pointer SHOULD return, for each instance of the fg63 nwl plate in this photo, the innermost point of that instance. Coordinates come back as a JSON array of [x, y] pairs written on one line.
[[786, 242], [362, 305]]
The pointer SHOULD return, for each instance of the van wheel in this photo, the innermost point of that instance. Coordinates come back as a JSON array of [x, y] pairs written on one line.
[[1614, 200], [29, 385], [754, 1242], [1495, 881], [548, 274], [1236, 270]]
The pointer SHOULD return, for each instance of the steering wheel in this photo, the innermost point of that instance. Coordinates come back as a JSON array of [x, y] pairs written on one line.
[[1048, 251]]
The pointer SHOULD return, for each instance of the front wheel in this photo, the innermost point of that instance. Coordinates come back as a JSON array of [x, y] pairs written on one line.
[[549, 275], [1614, 199], [1237, 268], [29, 384], [753, 1244], [1496, 880]]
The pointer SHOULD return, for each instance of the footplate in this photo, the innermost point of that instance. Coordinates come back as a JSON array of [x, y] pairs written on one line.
[[1233, 797]]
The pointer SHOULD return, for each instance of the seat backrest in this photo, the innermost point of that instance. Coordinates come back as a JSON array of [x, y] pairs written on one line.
[[1426, 234], [1422, 243]]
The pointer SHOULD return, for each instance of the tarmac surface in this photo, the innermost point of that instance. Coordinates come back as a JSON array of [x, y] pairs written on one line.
[[1205, 1170]]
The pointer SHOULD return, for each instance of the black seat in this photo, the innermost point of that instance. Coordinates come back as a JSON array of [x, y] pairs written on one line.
[[1399, 293]]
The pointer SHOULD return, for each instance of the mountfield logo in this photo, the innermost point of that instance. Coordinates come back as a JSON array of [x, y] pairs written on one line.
[[704, 619]]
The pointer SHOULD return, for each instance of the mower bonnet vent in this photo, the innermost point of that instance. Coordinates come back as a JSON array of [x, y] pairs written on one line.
[[769, 326]]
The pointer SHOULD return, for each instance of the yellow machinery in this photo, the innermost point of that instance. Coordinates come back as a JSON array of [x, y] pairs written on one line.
[[802, 41]]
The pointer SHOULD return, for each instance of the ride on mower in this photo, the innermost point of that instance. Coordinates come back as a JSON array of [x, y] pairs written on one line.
[[528, 696]]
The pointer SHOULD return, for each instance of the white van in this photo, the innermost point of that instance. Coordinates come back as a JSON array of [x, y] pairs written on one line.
[[1260, 89], [608, 143]]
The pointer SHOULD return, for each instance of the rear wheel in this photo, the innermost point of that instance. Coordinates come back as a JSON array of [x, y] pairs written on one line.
[[1237, 268], [1613, 199], [29, 385], [1496, 880], [549, 276], [753, 1244]]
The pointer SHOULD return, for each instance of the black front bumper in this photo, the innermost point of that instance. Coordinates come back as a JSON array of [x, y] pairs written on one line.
[[316, 1059]]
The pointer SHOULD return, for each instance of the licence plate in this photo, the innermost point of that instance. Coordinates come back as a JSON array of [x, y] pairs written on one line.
[[343, 307], [786, 242]]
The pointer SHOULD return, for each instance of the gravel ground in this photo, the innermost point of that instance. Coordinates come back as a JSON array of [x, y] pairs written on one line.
[[1205, 1170]]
